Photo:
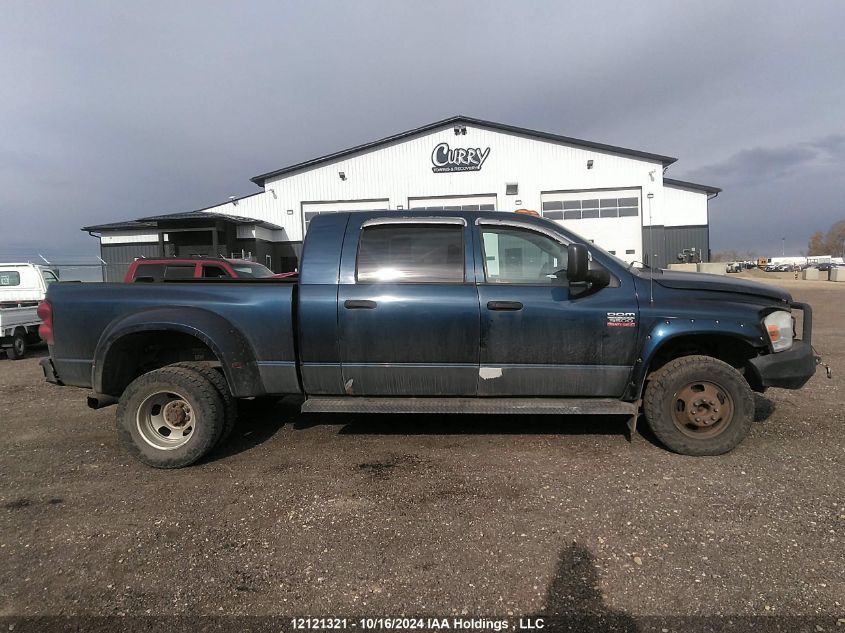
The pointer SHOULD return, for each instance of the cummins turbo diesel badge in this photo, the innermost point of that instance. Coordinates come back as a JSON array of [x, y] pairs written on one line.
[[621, 319]]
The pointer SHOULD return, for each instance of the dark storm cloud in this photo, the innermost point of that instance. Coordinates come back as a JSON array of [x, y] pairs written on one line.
[[761, 164], [115, 110]]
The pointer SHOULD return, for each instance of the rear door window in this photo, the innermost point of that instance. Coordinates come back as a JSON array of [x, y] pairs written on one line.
[[210, 271], [423, 253], [179, 271], [150, 271]]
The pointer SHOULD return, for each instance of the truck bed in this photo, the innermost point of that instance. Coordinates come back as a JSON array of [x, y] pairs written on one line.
[[249, 322], [11, 318]]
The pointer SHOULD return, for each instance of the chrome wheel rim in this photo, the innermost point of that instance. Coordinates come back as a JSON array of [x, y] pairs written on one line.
[[702, 409], [166, 420]]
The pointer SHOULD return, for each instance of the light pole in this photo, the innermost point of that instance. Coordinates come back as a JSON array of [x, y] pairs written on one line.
[[783, 246]]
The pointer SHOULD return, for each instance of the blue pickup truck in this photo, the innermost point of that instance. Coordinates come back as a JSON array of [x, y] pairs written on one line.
[[431, 312]]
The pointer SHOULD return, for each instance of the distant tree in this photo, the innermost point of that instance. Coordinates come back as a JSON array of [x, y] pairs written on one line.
[[816, 245], [726, 256], [830, 243]]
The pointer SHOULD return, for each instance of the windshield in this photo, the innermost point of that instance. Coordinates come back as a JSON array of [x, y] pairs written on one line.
[[251, 270]]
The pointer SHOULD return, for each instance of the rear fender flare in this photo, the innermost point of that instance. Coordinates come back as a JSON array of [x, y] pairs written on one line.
[[227, 343]]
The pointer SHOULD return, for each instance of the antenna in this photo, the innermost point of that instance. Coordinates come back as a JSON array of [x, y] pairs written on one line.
[[47, 261], [650, 250]]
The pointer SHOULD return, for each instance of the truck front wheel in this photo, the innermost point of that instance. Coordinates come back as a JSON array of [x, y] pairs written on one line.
[[170, 417], [698, 405]]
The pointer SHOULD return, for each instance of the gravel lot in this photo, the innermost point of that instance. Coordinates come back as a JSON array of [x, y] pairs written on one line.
[[505, 517]]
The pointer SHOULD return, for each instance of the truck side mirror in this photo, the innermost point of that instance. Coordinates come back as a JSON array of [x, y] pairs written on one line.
[[578, 265], [581, 270]]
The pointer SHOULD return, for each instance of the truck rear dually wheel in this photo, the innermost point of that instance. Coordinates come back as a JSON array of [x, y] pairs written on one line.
[[698, 405], [170, 417], [216, 378]]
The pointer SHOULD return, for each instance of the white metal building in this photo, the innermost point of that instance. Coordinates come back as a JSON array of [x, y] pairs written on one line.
[[616, 197]]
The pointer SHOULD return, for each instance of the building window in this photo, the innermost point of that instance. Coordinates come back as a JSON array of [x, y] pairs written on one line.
[[463, 207], [629, 251], [310, 215], [511, 188], [422, 253], [592, 208]]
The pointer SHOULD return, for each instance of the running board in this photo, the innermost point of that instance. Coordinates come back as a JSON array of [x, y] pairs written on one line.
[[496, 406]]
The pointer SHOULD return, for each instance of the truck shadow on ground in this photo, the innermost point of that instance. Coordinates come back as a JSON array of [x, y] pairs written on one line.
[[259, 420], [574, 601]]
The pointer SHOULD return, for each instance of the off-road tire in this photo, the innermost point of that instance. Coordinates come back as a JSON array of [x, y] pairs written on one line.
[[200, 394], [230, 403], [661, 396], [18, 349]]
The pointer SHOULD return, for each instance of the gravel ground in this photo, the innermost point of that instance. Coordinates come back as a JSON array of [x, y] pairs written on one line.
[[328, 515]]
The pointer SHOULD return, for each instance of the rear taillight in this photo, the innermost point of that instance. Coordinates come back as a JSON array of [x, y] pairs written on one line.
[[45, 330]]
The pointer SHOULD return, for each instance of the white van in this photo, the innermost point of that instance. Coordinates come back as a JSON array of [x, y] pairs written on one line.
[[22, 286]]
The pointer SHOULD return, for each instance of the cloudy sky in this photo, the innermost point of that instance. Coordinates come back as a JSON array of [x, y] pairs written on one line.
[[114, 110]]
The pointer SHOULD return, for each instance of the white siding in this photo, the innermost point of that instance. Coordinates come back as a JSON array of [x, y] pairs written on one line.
[[403, 170], [128, 237], [251, 231], [683, 207]]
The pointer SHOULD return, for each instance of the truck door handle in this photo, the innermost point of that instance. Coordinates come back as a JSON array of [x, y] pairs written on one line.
[[504, 305], [359, 304]]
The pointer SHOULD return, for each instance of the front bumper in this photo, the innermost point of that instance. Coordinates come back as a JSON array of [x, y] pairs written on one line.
[[789, 369], [49, 371], [792, 368]]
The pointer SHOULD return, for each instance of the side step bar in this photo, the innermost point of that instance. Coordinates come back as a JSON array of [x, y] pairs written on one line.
[[497, 406]]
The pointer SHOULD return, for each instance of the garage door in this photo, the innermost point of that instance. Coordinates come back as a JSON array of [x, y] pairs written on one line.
[[610, 218], [473, 202], [313, 209]]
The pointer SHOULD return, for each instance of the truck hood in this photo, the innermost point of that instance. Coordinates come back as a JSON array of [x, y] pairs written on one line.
[[704, 281]]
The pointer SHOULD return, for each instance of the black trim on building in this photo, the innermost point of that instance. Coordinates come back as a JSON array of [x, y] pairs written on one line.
[[464, 120], [683, 184]]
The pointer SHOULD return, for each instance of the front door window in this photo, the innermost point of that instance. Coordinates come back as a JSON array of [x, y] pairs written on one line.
[[522, 256]]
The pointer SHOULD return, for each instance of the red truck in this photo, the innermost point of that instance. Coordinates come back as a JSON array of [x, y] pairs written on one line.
[[168, 268]]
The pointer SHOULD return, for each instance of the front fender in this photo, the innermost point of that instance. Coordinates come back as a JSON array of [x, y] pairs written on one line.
[[668, 329], [236, 356]]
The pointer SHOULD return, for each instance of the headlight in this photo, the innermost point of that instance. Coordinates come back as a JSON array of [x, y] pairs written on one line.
[[779, 327]]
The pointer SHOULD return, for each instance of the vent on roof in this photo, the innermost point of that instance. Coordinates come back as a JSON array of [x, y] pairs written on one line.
[[511, 188]]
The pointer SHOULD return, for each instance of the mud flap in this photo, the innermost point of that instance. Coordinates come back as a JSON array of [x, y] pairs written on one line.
[[632, 422]]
